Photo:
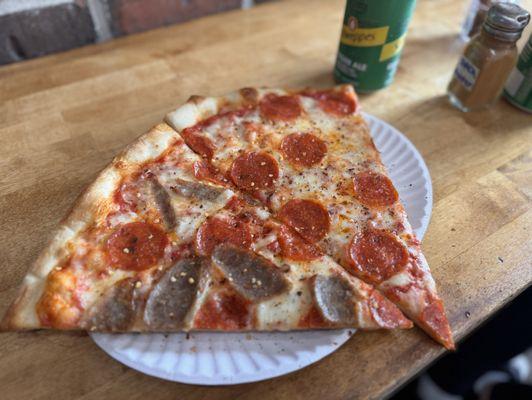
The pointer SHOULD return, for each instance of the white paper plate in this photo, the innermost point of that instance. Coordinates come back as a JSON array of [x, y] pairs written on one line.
[[231, 358]]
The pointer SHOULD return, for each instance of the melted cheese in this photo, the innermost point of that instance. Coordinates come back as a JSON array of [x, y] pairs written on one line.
[[349, 151], [284, 312]]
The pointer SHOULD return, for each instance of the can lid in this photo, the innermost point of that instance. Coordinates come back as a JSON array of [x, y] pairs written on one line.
[[506, 21]]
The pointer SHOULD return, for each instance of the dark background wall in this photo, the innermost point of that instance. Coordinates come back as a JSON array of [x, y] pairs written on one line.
[[32, 28]]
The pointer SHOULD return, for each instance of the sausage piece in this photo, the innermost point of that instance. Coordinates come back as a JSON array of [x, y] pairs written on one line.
[[163, 203], [116, 311], [196, 190], [253, 276], [334, 297], [173, 295]]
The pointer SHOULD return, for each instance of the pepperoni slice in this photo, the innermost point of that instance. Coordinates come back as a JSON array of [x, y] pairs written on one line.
[[333, 102], [280, 108], [307, 217], [397, 293], [136, 246], [374, 190], [218, 230], [385, 314], [225, 311], [274, 247], [199, 144], [304, 149], [313, 319], [254, 171], [377, 255], [433, 316], [205, 171], [295, 248]]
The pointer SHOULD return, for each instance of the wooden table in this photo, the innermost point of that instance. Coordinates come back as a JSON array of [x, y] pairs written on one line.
[[63, 117]]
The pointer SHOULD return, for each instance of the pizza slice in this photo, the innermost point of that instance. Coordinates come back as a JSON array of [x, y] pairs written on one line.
[[130, 220], [154, 245], [308, 157]]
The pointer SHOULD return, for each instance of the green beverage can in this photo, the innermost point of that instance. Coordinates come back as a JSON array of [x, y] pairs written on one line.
[[518, 89], [373, 35]]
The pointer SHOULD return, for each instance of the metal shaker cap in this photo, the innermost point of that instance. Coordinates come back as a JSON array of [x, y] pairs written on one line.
[[506, 21]]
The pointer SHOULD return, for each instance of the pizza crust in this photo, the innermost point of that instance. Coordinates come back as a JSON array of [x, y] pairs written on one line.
[[197, 108], [91, 204]]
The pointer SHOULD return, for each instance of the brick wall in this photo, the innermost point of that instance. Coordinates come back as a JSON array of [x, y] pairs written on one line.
[[32, 28]]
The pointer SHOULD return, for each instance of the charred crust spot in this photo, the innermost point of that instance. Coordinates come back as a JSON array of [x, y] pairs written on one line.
[[120, 164], [250, 95], [195, 99]]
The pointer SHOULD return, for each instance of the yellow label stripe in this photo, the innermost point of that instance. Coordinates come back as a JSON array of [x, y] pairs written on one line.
[[391, 49], [364, 37]]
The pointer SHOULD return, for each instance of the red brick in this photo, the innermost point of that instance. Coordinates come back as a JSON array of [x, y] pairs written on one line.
[[33, 33], [130, 16]]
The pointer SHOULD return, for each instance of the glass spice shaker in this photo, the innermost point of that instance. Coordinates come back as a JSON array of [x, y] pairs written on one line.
[[476, 14], [488, 59]]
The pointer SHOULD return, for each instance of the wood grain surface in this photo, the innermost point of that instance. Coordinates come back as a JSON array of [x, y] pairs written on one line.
[[62, 118]]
